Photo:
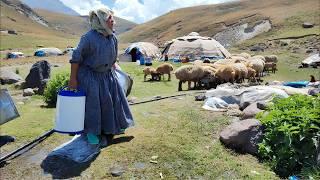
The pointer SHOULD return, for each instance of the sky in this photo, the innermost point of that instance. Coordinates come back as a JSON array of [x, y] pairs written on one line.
[[138, 11]]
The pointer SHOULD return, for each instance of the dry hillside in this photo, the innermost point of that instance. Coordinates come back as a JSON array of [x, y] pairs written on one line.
[[211, 19], [79, 24]]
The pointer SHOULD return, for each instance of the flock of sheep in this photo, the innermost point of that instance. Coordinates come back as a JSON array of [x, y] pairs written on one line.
[[235, 69]]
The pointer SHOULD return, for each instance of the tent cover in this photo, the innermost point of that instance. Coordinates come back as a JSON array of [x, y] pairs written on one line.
[[195, 46]]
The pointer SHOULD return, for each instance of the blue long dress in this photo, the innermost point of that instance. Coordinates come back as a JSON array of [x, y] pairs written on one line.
[[107, 110]]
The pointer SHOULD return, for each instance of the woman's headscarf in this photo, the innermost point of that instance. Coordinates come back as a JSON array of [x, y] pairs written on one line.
[[98, 18]]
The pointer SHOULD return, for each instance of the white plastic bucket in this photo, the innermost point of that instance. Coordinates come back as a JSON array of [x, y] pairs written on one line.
[[70, 111]]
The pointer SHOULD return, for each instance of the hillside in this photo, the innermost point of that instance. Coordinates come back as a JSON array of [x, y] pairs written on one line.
[[211, 19], [42, 28], [51, 5]]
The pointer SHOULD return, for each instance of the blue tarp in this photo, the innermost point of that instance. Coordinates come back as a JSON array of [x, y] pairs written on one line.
[[296, 84]]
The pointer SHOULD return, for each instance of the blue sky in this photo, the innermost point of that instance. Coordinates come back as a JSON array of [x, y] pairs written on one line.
[[138, 11]]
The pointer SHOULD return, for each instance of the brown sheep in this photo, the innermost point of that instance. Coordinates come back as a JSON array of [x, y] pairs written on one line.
[[165, 68], [191, 73], [226, 74], [150, 71], [251, 74], [270, 66]]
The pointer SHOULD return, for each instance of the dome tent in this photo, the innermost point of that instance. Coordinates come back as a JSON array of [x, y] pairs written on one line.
[[143, 48], [48, 52], [195, 46]]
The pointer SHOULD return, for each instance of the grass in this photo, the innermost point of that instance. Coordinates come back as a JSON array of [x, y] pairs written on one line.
[[183, 136]]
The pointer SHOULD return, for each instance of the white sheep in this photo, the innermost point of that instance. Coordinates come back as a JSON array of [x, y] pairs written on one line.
[[241, 69], [257, 64], [226, 73], [271, 58]]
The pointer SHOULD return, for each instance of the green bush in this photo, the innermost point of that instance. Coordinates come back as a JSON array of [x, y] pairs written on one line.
[[292, 134], [53, 86]]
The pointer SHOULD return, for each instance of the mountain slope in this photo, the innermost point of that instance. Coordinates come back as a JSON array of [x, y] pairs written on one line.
[[211, 19], [50, 5], [79, 24]]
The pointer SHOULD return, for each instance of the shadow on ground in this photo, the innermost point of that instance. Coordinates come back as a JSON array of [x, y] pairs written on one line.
[[61, 167]]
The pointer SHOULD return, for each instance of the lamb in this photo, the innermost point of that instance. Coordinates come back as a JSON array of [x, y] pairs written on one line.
[[165, 68], [271, 58], [151, 71], [270, 66], [190, 73]]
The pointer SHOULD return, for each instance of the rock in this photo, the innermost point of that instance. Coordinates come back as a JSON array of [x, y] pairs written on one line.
[[314, 92], [6, 139], [117, 171], [307, 25], [251, 111], [38, 76], [309, 51], [256, 48], [262, 105], [283, 43], [12, 32], [243, 136], [28, 92], [9, 77], [200, 97], [19, 84], [233, 106], [234, 112]]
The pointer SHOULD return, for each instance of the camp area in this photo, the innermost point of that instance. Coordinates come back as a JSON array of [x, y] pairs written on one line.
[[217, 90]]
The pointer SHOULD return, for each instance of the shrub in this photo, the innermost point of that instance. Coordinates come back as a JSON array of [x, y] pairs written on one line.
[[292, 134], [53, 86]]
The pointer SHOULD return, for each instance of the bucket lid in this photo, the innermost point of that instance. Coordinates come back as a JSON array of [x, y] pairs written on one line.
[[75, 93]]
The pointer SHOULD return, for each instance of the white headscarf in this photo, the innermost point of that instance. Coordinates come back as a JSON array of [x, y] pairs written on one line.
[[98, 18]]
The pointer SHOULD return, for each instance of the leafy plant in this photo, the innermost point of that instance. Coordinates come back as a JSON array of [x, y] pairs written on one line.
[[292, 134], [53, 86]]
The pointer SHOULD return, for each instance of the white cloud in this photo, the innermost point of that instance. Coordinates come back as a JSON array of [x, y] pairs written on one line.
[[135, 11]]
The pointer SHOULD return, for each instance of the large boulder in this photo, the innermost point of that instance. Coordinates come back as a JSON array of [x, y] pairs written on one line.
[[307, 25], [243, 136], [9, 77], [251, 111], [38, 76]]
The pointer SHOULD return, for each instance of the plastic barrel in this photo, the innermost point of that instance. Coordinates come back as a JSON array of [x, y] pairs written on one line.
[[70, 112]]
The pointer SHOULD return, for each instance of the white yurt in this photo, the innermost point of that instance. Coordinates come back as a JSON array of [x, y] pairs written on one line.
[[146, 49], [194, 47]]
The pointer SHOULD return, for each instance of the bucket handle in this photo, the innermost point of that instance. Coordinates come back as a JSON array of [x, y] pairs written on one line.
[[67, 88]]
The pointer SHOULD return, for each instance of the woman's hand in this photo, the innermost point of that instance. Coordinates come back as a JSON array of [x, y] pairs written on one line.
[[73, 83]]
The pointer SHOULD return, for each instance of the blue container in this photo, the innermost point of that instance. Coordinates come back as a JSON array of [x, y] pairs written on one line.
[[141, 60]]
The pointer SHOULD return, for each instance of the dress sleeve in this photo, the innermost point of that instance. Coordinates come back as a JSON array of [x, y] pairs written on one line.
[[81, 50]]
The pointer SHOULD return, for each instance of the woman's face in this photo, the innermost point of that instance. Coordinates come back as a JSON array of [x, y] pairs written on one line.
[[110, 22]]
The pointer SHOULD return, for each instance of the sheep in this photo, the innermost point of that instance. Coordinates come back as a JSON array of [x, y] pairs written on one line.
[[271, 58], [251, 74], [243, 54], [151, 71], [259, 57], [197, 62], [190, 73], [239, 59], [226, 73], [165, 68], [242, 70], [270, 66], [257, 64]]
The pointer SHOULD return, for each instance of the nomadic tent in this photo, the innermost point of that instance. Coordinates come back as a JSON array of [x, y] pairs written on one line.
[[48, 52], [146, 49], [194, 47], [313, 60], [15, 55]]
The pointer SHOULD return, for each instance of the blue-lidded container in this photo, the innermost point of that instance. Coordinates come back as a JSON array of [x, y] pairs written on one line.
[[70, 111]]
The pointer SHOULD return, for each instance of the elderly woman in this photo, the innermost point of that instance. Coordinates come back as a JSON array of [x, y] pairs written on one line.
[[92, 70]]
